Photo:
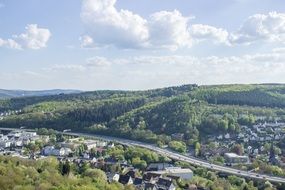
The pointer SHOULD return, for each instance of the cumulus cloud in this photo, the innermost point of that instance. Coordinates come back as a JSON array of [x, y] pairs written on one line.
[[33, 38], [261, 27], [9, 43], [106, 25], [169, 29], [202, 32]]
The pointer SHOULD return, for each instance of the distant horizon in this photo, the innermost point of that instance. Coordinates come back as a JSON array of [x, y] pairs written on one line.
[[82, 90]]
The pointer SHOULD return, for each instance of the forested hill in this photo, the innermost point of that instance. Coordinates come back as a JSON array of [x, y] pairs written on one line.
[[24, 93], [269, 95], [151, 115]]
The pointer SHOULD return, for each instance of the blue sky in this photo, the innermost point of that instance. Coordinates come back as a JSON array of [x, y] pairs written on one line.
[[131, 44]]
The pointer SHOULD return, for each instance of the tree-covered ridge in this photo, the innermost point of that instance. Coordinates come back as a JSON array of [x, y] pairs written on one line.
[[252, 95], [152, 115], [87, 97]]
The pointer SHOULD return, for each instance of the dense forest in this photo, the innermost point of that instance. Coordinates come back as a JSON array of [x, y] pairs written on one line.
[[151, 115]]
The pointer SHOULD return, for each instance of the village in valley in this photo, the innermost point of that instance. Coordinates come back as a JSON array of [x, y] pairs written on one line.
[[93, 153], [259, 142]]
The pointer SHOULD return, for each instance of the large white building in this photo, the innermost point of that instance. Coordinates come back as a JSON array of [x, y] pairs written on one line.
[[233, 158], [183, 173]]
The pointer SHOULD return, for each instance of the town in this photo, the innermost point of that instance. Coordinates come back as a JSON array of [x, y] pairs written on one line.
[[239, 151], [96, 154], [260, 142]]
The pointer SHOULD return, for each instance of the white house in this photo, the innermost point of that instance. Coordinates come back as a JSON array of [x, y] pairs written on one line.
[[227, 136], [18, 142], [51, 151], [220, 137], [113, 177], [90, 144], [101, 143], [5, 144], [255, 151]]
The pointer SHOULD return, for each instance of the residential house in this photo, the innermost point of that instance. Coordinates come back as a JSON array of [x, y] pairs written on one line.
[[5, 144], [125, 180], [165, 184], [149, 186], [177, 136], [51, 151], [113, 177], [227, 136], [90, 144]]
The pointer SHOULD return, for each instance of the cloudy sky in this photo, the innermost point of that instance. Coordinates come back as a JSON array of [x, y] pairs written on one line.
[[135, 44]]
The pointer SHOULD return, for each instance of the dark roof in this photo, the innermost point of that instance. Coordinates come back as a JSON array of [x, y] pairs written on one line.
[[131, 173], [173, 177], [164, 182], [124, 179], [138, 181], [150, 186], [149, 176], [110, 160]]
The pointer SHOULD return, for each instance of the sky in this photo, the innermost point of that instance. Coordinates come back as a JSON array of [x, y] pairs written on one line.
[[136, 45]]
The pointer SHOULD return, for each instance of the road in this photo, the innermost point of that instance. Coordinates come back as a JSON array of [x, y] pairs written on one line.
[[189, 159], [177, 156]]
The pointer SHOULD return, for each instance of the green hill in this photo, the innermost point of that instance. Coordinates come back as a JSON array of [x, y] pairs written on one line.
[[151, 115]]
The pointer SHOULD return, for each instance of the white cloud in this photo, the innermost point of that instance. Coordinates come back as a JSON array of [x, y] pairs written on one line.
[[86, 41], [107, 25], [144, 72], [169, 29], [98, 62], [33, 38], [202, 32], [279, 50], [9, 43], [66, 67], [261, 27]]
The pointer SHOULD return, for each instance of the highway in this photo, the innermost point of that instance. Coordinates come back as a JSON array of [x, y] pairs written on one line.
[[177, 156], [180, 157]]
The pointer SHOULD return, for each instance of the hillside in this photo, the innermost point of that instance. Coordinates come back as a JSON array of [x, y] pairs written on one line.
[[151, 115], [24, 93]]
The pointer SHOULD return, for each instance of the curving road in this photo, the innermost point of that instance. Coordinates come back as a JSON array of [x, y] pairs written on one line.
[[177, 156], [180, 157]]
